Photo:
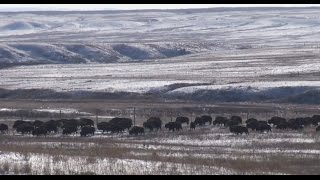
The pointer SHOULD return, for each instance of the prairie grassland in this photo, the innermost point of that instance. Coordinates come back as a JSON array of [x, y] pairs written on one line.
[[206, 150]]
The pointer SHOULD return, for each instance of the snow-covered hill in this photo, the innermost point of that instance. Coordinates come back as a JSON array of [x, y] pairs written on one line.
[[73, 53], [236, 54], [112, 36]]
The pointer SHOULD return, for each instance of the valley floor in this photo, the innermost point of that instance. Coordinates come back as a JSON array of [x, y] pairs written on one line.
[[206, 150]]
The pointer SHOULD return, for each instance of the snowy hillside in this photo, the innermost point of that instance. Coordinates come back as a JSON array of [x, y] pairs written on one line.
[[112, 36], [236, 54]]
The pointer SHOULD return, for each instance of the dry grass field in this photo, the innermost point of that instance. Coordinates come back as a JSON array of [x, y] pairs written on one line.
[[206, 150]]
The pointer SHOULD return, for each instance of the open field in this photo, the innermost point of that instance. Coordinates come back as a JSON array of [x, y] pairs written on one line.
[[208, 150]]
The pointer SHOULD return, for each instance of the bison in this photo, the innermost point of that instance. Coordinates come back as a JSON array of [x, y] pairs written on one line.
[[87, 130], [4, 128], [295, 126], [251, 120], [237, 119], [67, 130], [19, 122], [276, 120], [283, 125], [136, 130], [199, 121], [39, 131], [233, 122], [124, 123], [112, 127], [155, 122], [115, 128], [172, 126], [306, 121], [86, 122], [51, 126], [318, 128], [220, 121], [103, 126], [182, 120], [315, 120], [238, 130], [70, 123], [252, 125], [206, 119], [192, 125], [37, 123], [148, 125], [263, 127], [25, 128]]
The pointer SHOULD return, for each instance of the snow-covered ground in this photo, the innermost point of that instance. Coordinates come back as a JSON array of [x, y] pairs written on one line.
[[206, 150], [267, 54], [272, 74], [57, 111]]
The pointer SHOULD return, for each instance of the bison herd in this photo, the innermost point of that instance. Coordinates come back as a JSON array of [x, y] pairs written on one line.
[[86, 127]]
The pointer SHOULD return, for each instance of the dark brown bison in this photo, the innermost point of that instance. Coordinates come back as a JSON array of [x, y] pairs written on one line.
[[315, 120], [306, 121], [148, 125], [103, 126], [318, 128], [219, 120], [207, 118], [252, 125], [262, 127], [283, 125], [19, 122], [192, 125], [238, 130], [115, 128], [70, 123], [4, 128], [111, 127], [68, 130], [86, 122], [182, 120], [25, 128], [51, 126], [259, 126], [276, 120], [153, 123], [251, 120], [233, 122], [199, 121], [87, 131], [123, 123], [40, 131], [136, 130], [172, 126], [37, 123], [237, 119], [295, 126]]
